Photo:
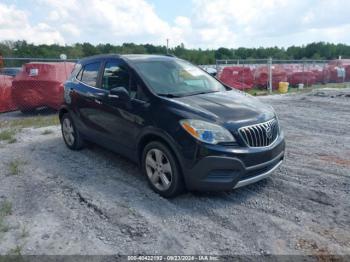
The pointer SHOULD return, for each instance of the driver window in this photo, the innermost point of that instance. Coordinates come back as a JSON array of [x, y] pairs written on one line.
[[115, 75]]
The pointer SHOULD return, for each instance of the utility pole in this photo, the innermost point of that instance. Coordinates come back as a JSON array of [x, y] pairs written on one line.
[[269, 62], [167, 45]]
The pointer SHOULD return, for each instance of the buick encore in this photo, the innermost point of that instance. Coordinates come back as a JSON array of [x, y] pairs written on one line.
[[185, 129]]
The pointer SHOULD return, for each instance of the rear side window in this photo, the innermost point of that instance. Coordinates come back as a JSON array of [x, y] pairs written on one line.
[[89, 74]]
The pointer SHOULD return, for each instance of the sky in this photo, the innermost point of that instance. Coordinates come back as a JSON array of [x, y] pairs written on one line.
[[195, 23]]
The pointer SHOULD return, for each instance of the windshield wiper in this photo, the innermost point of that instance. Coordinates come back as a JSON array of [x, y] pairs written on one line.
[[200, 93], [185, 94], [168, 95]]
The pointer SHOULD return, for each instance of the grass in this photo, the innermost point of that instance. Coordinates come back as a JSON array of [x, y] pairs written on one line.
[[15, 167], [5, 210], [24, 232], [332, 85], [263, 92], [33, 121], [17, 252], [8, 135], [12, 140]]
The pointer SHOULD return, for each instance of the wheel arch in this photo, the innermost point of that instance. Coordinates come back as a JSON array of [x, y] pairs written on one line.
[[157, 135], [61, 112]]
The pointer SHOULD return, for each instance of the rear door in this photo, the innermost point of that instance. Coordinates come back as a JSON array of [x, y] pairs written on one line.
[[88, 99]]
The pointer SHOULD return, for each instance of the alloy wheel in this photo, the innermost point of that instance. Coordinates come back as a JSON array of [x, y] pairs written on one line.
[[68, 131], [158, 169]]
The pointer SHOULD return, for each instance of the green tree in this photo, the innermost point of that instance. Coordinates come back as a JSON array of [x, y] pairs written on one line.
[[319, 50]]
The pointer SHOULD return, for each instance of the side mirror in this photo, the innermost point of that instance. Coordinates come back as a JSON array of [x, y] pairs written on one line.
[[120, 93]]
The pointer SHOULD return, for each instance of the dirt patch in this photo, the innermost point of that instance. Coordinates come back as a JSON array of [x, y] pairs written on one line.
[[336, 160]]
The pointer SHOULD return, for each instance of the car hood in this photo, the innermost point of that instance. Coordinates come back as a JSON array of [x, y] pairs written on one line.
[[230, 107]]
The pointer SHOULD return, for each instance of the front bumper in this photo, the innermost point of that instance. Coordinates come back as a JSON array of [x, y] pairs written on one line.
[[253, 179], [223, 168]]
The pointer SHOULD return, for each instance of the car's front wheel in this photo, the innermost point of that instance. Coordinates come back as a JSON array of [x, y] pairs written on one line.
[[162, 170], [71, 135]]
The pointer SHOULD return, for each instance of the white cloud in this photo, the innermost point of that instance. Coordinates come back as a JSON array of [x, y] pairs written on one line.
[[272, 22], [14, 25], [108, 20], [70, 29], [250, 23]]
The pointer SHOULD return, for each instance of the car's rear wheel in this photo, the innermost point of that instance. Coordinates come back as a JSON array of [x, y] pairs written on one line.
[[71, 135], [28, 111], [162, 170]]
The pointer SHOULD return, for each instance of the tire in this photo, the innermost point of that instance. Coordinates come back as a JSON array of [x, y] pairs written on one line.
[[160, 165], [28, 111], [70, 134]]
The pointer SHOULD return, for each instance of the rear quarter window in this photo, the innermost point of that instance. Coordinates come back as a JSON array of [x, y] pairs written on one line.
[[76, 70], [89, 74]]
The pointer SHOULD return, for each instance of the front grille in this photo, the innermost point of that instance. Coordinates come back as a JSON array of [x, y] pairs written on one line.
[[260, 135]]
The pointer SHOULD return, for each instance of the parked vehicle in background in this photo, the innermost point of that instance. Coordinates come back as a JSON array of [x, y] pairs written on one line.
[[40, 85], [183, 127], [6, 102], [10, 71], [211, 71]]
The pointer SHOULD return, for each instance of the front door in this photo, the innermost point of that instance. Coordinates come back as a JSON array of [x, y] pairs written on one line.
[[119, 122]]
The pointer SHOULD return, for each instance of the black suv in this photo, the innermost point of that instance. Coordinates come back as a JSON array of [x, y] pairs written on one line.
[[183, 127]]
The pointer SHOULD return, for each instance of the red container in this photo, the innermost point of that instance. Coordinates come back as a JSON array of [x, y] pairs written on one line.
[[307, 78], [334, 66], [320, 75], [347, 73], [333, 74], [261, 76], [40, 85], [6, 102], [238, 77]]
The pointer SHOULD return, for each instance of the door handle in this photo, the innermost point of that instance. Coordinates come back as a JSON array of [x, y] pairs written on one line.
[[98, 102], [113, 96]]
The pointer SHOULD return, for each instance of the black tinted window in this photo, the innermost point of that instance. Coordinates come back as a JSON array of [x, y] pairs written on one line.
[[115, 75], [90, 73]]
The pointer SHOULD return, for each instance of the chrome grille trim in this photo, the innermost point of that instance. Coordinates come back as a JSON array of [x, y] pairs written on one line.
[[257, 178], [260, 135]]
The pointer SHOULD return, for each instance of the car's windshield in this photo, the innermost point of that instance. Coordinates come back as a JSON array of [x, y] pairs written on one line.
[[177, 78]]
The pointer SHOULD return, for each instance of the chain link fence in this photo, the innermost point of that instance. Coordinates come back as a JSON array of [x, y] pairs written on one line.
[[267, 74], [32, 84]]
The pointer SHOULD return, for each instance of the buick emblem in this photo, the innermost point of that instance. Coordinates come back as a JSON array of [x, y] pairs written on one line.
[[268, 132]]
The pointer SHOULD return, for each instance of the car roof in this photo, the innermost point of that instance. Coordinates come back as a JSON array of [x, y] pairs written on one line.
[[128, 57]]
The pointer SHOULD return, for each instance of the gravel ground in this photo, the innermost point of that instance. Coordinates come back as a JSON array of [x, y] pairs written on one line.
[[96, 202]]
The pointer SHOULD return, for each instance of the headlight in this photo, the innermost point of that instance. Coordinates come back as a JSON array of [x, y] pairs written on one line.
[[207, 132]]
